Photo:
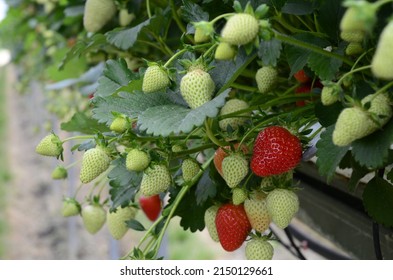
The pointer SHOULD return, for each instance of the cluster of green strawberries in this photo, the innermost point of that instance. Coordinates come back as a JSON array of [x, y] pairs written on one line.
[[274, 153]]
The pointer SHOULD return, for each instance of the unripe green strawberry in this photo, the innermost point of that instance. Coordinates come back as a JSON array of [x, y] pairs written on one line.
[[94, 217], [381, 64], [259, 249], [355, 123], [351, 20], [210, 221], [234, 169], [59, 173], [282, 205], [70, 207], [225, 51], [98, 13], [232, 106], [125, 18], [178, 148], [190, 168], [50, 145], [197, 88], [354, 49], [155, 180], [200, 36], [240, 29], [269, 183], [257, 213], [119, 124], [352, 36], [116, 220], [94, 162], [155, 79], [239, 195], [329, 94], [137, 160], [266, 78]]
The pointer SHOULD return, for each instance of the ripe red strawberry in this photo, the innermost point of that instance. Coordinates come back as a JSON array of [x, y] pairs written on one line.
[[301, 76], [302, 89], [197, 88], [151, 206], [94, 217], [232, 226], [234, 169], [116, 220], [282, 206], [275, 151], [210, 222], [220, 154], [155, 180], [240, 29], [257, 213], [259, 249]]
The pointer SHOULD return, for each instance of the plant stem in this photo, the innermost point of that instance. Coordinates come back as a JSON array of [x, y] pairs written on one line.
[[148, 8], [244, 87], [353, 71], [313, 48], [211, 136], [78, 137]]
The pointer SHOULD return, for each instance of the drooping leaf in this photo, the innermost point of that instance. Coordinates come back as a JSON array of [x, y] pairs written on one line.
[[269, 51], [124, 184], [327, 115], [80, 122], [205, 188], [125, 38], [378, 201], [135, 225], [129, 104], [191, 214], [115, 76], [329, 155], [166, 119], [192, 12], [372, 151], [329, 17]]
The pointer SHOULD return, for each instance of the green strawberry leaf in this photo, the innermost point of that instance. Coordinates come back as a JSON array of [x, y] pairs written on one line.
[[373, 151], [269, 51], [129, 104], [191, 213], [378, 201], [192, 12], [389, 175], [329, 18], [80, 122], [327, 115], [358, 172], [126, 38], [298, 7], [116, 75], [124, 184], [166, 119], [135, 225], [82, 47], [205, 188], [325, 67], [329, 155]]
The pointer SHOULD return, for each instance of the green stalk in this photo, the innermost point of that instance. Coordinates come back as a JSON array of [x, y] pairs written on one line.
[[307, 46]]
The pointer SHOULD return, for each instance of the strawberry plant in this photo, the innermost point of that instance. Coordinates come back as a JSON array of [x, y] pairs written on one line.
[[214, 105]]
